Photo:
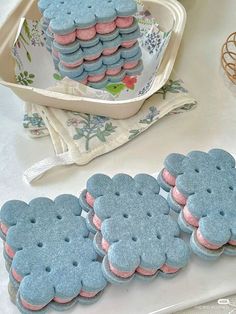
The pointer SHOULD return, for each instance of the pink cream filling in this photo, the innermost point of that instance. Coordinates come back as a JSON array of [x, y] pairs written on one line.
[[113, 71], [128, 44], [105, 245], [85, 82], [96, 78], [109, 51], [205, 243], [91, 58], [16, 276], [87, 33], [105, 28], [168, 177], [62, 301], [97, 222], [9, 251], [123, 274], [87, 294], [146, 271], [30, 306], [55, 53], [72, 65], [124, 22], [90, 32], [190, 218], [178, 197], [4, 228], [232, 242], [65, 39], [168, 269], [130, 65], [90, 199]]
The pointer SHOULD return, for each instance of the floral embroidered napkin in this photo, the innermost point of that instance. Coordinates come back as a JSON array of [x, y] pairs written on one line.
[[78, 138]]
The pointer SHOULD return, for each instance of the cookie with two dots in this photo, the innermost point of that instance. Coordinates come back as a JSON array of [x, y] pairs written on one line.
[[202, 189], [133, 229], [49, 255]]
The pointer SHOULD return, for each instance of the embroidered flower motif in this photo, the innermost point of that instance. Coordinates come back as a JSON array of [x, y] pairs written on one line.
[[130, 81]]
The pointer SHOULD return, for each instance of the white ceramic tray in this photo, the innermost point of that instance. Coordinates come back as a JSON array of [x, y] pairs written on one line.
[[199, 282], [167, 12]]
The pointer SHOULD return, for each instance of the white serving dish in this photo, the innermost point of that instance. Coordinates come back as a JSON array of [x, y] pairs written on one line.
[[167, 12]]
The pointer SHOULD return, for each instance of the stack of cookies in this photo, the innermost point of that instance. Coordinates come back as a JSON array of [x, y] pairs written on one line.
[[93, 42]]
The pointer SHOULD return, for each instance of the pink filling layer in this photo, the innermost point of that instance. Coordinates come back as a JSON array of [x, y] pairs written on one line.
[[190, 218], [72, 65], [16, 276], [105, 245], [90, 199], [113, 71], [232, 242], [4, 228], [91, 58], [105, 28], [123, 274], [205, 243], [65, 39], [85, 82], [87, 294], [145, 271], [168, 177], [90, 32], [87, 33], [55, 53], [30, 306], [128, 44], [178, 197], [130, 65], [109, 51], [124, 21], [9, 251], [62, 301], [97, 222], [168, 269], [96, 78]]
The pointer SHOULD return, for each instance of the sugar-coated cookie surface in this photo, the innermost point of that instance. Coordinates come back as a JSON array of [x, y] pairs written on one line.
[[203, 190], [53, 261], [134, 230]]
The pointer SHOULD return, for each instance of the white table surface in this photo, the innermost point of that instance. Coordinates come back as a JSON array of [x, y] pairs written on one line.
[[212, 124]]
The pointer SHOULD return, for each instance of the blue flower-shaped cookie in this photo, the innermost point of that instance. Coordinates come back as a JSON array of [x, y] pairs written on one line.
[[53, 261], [67, 15], [203, 190], [134, 230]]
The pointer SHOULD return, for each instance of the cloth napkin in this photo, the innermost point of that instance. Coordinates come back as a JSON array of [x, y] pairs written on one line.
[[78, 138]]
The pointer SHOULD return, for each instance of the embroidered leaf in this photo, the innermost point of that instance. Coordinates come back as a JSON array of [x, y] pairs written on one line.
[[115, 89], [22, 38], [109, 127], [79, 134], [27, 29], [57, 77], [24, 78], [101, 136], [134, 133], [28, 56]]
